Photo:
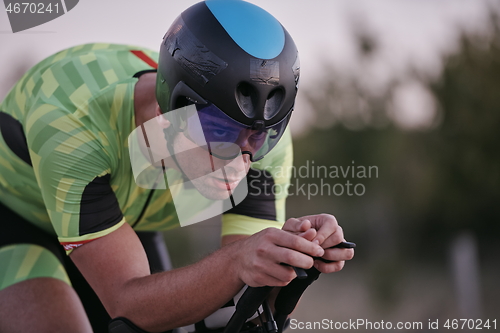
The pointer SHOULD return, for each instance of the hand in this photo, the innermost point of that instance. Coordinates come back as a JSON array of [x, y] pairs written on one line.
[[322, 229], [259, 257]]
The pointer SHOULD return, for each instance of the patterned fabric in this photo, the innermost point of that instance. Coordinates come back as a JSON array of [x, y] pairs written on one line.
[[21, 262], [76, 111]]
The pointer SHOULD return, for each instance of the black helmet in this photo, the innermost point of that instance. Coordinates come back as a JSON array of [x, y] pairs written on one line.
[[231, 54]]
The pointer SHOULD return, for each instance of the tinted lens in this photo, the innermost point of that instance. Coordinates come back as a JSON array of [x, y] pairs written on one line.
[[274, 135], [226, 137]]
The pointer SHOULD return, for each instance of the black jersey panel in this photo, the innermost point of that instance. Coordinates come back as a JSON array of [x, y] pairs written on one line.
[[99, 208], [13, 135], [260, 201]]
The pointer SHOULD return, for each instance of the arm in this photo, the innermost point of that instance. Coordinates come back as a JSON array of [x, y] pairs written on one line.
[[117, 269]]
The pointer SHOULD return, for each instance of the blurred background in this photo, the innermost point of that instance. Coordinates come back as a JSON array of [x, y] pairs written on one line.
[[408, 87]]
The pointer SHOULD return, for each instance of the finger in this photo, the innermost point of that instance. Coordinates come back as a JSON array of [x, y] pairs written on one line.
[[314, 219], [309, 234], [335, 238], [282, 273], [329, 267], [338, 254], [294, 242], [276, 274], [326, 229], [296, 225], [293, 258]]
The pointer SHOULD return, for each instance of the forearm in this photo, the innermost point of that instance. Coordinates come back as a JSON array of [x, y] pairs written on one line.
[[116, 267], [180, 297]]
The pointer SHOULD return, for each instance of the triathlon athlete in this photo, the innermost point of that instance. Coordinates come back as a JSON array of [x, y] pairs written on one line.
[[72, 215]]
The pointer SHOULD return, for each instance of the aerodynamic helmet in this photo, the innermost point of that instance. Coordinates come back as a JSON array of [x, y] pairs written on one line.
[[234, 57]]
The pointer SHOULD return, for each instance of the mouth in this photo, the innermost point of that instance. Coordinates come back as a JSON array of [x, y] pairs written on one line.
[[224, 184]]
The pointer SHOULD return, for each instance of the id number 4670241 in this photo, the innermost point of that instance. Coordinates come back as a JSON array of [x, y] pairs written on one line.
[[32, 7], [471, 324]]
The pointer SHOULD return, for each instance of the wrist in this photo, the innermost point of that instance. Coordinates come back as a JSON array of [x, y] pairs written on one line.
[[233, 256]]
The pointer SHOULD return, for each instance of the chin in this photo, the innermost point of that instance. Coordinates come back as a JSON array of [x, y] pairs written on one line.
[[214, 194]]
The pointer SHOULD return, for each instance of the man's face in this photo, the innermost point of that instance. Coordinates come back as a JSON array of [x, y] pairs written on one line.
[[214, 178]]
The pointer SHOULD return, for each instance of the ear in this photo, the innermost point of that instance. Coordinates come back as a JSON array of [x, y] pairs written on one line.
[[160, 118]]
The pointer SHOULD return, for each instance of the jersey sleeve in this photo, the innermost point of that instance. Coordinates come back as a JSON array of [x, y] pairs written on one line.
[[268, 181], [72, 169]]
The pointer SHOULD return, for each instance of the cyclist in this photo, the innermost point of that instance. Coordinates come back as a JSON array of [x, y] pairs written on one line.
[[66, 177]]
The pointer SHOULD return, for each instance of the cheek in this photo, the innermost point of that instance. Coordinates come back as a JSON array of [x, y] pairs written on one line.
[[183, 144], [191, 156], [199, 161]]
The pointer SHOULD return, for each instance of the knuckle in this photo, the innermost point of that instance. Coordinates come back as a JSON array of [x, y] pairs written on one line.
[[339, 232], [271, 233], [330, 217], [261, 250], [266, 233]]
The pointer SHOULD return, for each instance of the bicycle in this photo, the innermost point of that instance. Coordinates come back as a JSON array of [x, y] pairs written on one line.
[[250, 302]]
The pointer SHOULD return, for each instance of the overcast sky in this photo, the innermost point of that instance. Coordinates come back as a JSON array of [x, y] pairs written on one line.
[[410, 32]]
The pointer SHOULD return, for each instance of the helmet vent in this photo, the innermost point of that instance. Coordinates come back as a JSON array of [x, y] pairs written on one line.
[[246, 96], [273, 103]]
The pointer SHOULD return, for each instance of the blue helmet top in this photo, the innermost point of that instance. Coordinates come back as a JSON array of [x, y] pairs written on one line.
[[252, 28], [232, 54]]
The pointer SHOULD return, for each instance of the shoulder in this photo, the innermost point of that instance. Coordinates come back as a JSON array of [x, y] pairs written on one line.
[[92, 67], [86, 86], [84, 70]]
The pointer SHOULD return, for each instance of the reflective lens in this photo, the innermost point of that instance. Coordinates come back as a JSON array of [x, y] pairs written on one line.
[[225, 137]]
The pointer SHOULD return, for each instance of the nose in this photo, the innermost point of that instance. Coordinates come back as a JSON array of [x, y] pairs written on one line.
[[238, 167], [247, 141], [246, 159]]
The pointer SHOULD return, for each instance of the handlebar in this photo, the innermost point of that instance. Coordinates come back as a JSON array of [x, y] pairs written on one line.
[[286, 300]]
